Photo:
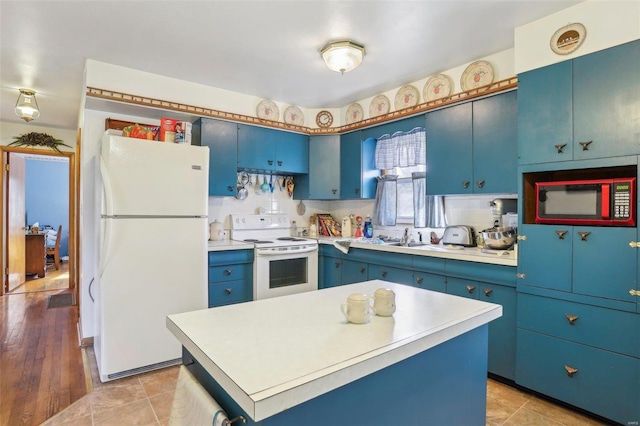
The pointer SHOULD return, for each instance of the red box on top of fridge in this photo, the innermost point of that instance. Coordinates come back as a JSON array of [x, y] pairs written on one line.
[[168, 129]]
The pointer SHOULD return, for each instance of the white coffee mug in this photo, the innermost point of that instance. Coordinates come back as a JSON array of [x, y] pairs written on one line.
[[384, 302], [357, 309]]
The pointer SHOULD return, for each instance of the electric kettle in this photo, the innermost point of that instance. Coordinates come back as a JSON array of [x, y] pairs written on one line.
[[216, 231]]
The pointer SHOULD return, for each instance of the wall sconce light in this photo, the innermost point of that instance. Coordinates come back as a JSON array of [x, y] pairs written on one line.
[[27, 106], [342, 56]]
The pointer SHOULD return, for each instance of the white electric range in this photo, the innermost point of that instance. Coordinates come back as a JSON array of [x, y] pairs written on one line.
[[282, 264]]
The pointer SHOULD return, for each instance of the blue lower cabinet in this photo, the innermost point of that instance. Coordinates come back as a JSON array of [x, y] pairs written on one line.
[[332, 272], [596, 380], [388, 273], [230, 277], [354, 272], [502, 331]]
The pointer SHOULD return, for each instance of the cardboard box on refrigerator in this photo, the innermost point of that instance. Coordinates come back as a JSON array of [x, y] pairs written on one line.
[[168, 129], [183, 132]]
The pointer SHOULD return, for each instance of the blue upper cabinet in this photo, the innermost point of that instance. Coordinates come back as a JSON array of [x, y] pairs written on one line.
[[357, 166], [264, 149], [449, 150], [495, 145], [222, 139], [606, 103], [585, 108], [323, 180], [403, 125]]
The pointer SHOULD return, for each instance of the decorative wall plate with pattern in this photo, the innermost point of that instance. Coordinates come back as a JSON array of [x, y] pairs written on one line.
[[267, 110], [437, 87], [379, 106], [406, 97], [293, 115], [324, 119], [568, 38], [354, 113], [479, 73]]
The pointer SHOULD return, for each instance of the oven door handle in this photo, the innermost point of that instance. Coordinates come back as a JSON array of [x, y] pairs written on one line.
[[285, 253]]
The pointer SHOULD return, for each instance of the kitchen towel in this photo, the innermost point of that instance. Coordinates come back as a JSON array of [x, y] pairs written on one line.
[[342, 245], [192, 404]]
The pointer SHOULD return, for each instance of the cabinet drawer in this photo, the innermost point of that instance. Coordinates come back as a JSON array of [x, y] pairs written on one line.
[[464, 288], [386, 273], [354, 272], [608, 329], [486, 272], [605, 383], [429, 281], [240, 271], [230, 256], [225, 293]]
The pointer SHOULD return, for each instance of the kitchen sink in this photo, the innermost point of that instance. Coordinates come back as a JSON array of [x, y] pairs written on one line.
[[411, 244]]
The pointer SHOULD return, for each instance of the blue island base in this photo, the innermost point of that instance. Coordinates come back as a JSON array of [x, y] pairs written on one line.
[[445, 385]]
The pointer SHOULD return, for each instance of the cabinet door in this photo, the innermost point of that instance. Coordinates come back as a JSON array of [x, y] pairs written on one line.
[[465, 288], [357, 166], [332, 272], [604, 264], [324, 171], [222, 139], [449, 150], [292, 153], [545, 114], [606, 89], [495, 144], [256, 147], [354, 272], [502, 331], [545, 257]]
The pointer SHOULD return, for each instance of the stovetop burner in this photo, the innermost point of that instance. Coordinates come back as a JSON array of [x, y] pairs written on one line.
[[250, 240]]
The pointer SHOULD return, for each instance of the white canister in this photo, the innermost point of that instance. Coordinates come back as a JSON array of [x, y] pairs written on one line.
[[384, 302], [357, 309], [346, 227], [216, 231]]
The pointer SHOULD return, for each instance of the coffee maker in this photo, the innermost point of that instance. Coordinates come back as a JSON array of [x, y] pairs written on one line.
[[502, 210]]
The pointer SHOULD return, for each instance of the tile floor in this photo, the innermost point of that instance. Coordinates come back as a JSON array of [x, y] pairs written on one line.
[[146, 399]]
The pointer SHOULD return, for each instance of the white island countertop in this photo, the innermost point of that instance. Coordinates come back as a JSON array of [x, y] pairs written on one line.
[[272, 354]]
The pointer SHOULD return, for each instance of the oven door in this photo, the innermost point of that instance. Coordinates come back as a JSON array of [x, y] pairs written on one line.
[[281, 271]]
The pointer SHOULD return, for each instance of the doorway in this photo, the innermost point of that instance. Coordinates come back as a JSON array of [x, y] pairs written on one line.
[[13, 230]]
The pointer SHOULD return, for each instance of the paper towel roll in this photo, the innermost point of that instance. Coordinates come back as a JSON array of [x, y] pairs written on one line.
[[192, 404]]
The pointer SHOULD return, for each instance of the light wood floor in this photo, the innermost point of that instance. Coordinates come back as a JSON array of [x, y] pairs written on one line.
[[41, 366]]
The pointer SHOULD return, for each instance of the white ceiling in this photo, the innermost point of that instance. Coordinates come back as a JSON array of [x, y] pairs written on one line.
[[269, 49]]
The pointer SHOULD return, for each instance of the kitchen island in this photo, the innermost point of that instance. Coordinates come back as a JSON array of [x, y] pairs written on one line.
[[295, 360]]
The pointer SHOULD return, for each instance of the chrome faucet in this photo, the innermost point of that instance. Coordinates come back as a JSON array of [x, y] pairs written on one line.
[[405, 237]]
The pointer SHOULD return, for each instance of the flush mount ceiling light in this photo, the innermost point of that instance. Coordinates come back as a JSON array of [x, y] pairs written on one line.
[[342, 56], [27, 106]]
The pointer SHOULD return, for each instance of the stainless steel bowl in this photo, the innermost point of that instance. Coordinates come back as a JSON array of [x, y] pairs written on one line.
[[500, 238]]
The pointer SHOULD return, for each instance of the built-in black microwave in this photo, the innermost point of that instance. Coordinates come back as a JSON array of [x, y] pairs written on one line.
[[605, 202]]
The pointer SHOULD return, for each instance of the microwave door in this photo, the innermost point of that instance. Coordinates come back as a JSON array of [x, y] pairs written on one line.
[[570, 203]]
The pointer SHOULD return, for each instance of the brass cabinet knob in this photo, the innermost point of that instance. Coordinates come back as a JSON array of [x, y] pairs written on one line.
[[570, 370], [227, 271], [337, 264], [270, 162], [383, 273], [521, 276], [419, 280], [572, 318], [480, 183], [561, 234], [560, 147], [634, 244], [487, 291], [584, 235], [521, 238], [227, 290], [585, 145], [356, 190], [470, 288], [279, 162], [230, 188], [465, 184], [334, 191], [634, 292], [363, 269]]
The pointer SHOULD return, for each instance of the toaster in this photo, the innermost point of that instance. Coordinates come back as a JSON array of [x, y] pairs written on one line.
[[459, 235]]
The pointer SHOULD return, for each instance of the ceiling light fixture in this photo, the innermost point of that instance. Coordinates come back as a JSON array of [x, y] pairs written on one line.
[[27, 106], [342, 56]]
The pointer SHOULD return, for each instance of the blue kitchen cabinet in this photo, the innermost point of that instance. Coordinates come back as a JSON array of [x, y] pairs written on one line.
[[230, 277], [545, 256], [323, 180], [354, 271], [472, 147], [357, 166], [495, 144], [428, 273], [502, 331], [332, 272], [545, 111], [449, 150], [269, 150], [222, 139], [404, 125], [600, 381], [583, 108]]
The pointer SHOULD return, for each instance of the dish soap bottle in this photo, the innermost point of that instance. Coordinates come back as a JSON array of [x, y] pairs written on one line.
[[368, 227]]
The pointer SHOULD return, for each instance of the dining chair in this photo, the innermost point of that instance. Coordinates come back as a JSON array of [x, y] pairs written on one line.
[[55, 250]]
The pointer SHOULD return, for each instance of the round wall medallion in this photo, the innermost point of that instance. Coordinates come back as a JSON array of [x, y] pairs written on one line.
[[324, 119], [568, 38]]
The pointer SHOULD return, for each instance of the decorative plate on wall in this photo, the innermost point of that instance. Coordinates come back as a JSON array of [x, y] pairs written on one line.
[[268, 110], [379, 106], [354, 113], [436, 87], [479, 73], [406, 97], [324, 119], [293, 115], [568, 38]]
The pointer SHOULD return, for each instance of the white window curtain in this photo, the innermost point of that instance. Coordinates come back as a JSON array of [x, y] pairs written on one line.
[[385, 210], [402, 149]]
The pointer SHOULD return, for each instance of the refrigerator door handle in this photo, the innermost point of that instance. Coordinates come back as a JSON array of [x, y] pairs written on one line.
[[106, 223], [106, 185]]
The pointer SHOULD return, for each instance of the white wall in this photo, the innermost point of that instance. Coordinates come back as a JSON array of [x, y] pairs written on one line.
[[608, 23], [10, 129]]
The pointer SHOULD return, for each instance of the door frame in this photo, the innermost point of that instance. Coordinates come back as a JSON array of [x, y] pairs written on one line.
[[73, 211]]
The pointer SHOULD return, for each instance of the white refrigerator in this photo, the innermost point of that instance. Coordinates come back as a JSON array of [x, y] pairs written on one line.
[[152, 251]]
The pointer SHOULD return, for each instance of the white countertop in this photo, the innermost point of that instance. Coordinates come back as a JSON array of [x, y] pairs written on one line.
[[471, 254], [272, 354], [228, 245]]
